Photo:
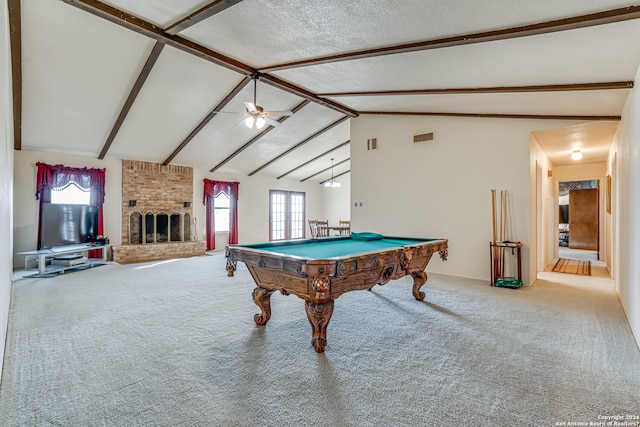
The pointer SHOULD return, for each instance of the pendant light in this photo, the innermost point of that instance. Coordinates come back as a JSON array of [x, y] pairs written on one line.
[[332, 182]]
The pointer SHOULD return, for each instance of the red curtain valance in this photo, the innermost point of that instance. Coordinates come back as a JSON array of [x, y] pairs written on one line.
[[58, 176]]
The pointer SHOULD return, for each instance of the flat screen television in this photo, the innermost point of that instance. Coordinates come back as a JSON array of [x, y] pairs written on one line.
[[563, 214], [64, 224]]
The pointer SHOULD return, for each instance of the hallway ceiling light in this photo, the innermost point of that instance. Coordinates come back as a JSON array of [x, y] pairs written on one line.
[[576, 155]]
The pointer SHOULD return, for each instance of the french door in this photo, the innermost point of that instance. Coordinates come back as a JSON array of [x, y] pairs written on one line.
[[286, 215]]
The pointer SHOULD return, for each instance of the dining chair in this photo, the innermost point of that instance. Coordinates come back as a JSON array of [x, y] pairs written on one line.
[[345, 227], [322, 228], [313, 226]]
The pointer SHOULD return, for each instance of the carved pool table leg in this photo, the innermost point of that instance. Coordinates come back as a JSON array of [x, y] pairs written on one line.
[[262, 298], [231, 267], [419, 279], [319, 316]]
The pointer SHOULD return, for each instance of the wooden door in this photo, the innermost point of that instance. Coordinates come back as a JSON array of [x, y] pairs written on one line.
[[583, 219]]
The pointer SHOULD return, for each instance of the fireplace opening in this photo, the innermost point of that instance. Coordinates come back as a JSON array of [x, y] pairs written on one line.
[[159, 227]]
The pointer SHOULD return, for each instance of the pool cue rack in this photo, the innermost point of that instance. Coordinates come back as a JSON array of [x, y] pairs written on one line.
[[497, 251], [500, 244]]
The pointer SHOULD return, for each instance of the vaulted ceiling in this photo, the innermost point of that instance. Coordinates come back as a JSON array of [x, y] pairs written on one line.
[[166, 80]]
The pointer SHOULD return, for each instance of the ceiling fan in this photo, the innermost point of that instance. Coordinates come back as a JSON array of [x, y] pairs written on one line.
[[257, 117]]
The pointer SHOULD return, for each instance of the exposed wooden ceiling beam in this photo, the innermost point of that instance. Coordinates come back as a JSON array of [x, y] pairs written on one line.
[[494, 115], [498, 89], [300, 144], [208, 118], [582, 21], [314, 159], [15, 35], [326, 169], [148, 66], [148, 29], [258, 136], [203, 13]]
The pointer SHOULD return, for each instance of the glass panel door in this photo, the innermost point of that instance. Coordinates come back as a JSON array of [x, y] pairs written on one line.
[[286, 215]]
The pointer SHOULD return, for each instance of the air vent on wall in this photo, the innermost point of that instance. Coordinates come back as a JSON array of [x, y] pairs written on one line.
[[429, 136], [372, 144]]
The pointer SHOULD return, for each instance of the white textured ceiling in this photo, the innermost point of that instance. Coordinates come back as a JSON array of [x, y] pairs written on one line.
[[78, 70]]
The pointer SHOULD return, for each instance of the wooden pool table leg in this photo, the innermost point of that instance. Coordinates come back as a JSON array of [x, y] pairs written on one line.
[[419, 279], [319, 316], [262, 298]]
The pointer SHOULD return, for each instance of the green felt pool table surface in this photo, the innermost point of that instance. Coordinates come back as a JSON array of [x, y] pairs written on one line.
[[327, 248]]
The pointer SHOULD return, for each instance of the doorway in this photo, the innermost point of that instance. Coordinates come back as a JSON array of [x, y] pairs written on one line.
[[286, 215], [578, 220]]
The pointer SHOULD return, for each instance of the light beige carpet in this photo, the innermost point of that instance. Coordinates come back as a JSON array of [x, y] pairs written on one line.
[[174, 343], [572, 266]]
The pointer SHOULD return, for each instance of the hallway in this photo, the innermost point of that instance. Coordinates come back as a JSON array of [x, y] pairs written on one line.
[[600, 277]]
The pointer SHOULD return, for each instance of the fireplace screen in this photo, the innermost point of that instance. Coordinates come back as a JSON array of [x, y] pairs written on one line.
[[159, 227]]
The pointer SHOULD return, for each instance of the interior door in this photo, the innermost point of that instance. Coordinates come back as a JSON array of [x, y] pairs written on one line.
[[583, 219]]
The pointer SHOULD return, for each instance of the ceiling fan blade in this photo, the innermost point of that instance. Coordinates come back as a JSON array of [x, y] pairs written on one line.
[[251, 108], [277, 113], [230, 112], [241, 121], [271, 122]]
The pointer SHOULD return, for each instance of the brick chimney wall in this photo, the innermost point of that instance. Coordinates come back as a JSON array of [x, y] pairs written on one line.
[[155, 188]]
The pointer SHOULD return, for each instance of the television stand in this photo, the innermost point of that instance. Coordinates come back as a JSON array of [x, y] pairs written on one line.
[[61, 258]]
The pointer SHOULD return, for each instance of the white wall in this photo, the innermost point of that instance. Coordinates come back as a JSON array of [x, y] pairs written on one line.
[[6, 177], [543, 209], [336, 202], [626, 209], [443, 188]]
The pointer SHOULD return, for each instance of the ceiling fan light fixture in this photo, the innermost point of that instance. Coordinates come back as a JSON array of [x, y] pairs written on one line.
[[260, 121], [576, 155], [249, 122]]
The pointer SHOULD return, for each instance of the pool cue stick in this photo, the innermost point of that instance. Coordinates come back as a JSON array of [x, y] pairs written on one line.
[[503, 226], [494, 253]]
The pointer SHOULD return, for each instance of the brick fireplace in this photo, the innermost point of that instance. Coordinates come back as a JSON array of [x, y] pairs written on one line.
[[157, 217]]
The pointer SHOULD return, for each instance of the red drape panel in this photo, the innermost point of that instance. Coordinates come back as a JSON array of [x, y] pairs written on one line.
[[51, 177], [233, 213], [211, 190]]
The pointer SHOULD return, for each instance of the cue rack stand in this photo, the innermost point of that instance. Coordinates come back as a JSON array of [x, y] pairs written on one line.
[[500, 244]]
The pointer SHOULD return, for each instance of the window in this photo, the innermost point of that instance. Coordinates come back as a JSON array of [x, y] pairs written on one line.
[[72, 194], [286, 215], [221, 210]]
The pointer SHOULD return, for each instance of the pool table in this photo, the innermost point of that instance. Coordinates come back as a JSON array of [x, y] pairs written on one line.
[[320, 270]]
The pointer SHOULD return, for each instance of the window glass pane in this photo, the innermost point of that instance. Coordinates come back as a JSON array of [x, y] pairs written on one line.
[[221, 205], [221, 219], [71, 194], [277, 216], [297, 216], [221, 201]]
